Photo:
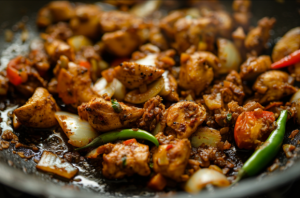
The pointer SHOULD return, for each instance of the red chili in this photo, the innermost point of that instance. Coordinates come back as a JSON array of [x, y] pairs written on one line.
[[291, 59], [130, 141], [85, 64], [169, 147]]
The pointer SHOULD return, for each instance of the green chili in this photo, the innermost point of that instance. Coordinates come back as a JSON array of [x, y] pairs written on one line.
[[121, 135], [267, 151], [229, 117], [116, 106], [124, 161]]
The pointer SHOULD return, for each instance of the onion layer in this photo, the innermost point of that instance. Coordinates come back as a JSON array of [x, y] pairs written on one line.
[[207, 136], [204, 177], [79, 132]]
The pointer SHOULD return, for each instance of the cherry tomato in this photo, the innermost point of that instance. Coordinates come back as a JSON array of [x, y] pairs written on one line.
[[248, 131], [16, 75]]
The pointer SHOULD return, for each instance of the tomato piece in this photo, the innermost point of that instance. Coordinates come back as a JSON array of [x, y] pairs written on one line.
[[15, 71], [130, 141], [85, 64], [250, 128], [169, 147]]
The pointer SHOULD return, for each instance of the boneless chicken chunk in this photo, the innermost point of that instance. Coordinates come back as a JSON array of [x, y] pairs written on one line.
[[102, 117], [171, 157], [124, 159], [184, 118], [39, 110], [254, 66], [273, 85], [133, 75], [195, 73]]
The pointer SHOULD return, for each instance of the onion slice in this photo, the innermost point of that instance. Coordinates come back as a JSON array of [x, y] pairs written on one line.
[[79, 132], [296, 98], [136, 97], [207, 136], [103, 87], [51, 163], [204, 177]]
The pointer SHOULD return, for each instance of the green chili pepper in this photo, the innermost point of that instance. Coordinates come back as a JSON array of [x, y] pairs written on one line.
[[229, 117], [116, 106], [124, 161], [267, 151], [121, 135]]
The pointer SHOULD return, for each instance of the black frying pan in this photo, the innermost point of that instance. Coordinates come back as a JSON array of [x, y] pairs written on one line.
[[22, 175]]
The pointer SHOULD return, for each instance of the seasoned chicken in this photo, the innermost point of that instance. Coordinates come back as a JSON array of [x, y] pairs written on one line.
[[198, 32], [116, 20], [157, 38], [60, 31], [184, 118], [39, 110], [255, 66], [273, 85], [61, 10], [241, 5], [56, 48], [133, 75], [211, 60], [173, 95], [153, 113], [195, 73], [121, 43], [124, 159], [258, 37], [102, 117], [86, 21], [74, 84], [3, 85], [168, 22], [242, 13], [289, 43], [171, 157]]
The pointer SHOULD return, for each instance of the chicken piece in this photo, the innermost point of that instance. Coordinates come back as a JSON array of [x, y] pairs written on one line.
[[86, 21], [195, 73], [3, 85], [121, 43], [102, 117], [124, 159], [211, 60], [116, 20], [168, 22], [61, 10], [153, 113], [39, 59], [60, 31], [258, 37], [255, 66], [198, 32], [74, 84], [273, 85], [56, 48], [289, 43], [184, 118], [231, 88], [38, 112], [133, 75], [157, 38], [241, 5], [171, 157], [44, 17], [239, 37]]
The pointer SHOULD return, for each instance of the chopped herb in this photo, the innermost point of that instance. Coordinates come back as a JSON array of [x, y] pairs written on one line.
[[116, 106], [229, 117], [290, 113], [151, 165], [124, 161]]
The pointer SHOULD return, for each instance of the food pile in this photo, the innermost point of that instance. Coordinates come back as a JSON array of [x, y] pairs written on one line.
[[171, 97]]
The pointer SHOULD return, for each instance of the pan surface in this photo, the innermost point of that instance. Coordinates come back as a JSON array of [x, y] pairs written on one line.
[[22, 175]]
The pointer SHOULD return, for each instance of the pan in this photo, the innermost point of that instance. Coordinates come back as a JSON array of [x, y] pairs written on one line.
[[21, 174]]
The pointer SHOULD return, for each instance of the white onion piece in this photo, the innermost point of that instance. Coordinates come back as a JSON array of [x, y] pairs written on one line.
[[79, 132], [296, 98], [204, 177], [148, 60], [205, 135], [120, 90], [158, 128], [102, 86], [51, 163], [229, 56], [79, 41], [145, 8], [166, 90]]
